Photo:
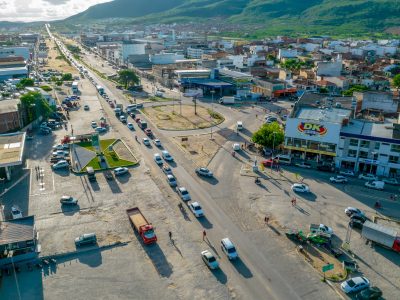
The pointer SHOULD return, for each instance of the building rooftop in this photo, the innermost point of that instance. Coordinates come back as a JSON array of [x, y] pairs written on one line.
[[317, 100], [7, 106], [11, 148], [18, 230], [234, 74], [384, 130], [12, 71], [333, 115]]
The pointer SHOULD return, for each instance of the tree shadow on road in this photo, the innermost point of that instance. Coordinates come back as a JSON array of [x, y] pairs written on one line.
[[241, 267]]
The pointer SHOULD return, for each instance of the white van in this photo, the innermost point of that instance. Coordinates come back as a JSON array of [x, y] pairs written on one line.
[[239, 125], [376, 185], [284, 159]]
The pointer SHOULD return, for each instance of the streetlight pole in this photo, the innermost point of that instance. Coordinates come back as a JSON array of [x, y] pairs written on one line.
[[273, 143], [180, 103]]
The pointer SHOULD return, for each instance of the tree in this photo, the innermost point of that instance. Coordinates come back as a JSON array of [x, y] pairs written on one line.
[[66, 77], [24, 82], [269, 135], [396, 81], [128, 77], [34, 105]]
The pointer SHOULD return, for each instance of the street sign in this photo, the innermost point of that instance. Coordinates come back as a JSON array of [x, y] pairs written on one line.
[[328, 267]]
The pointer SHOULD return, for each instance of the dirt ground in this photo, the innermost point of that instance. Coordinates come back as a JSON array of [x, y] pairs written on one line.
[[59, 65], [200, 149], [170, 117]]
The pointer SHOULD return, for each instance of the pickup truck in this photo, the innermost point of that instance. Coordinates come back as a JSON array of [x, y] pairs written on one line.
[[141, 225], [382, 235], [321, 229]]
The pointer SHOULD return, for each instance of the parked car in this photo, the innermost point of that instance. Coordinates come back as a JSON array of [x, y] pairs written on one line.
[[370, 293], [167, 170], [270, 119], [171, 180], [376, 185], [93, 124], [122, 119], [157, 143], [158, 159], [368, 177], [300, 188], [86, 107], [269, 162], [325, 168], [229, 249], [61, 147], [100, 129], [391, 181], [204, 172], [167, 157], [349, 211], [346, 173], [60, 165], [146, 142], [209, 259], [236, 147], [357, 221], [121, 171], [196, 209], [303, 165], [183, 193], [130, 126], [354, 284], [148, 132], [86, 239], [60, 153], [68, 200], [16, 213], [338, 179]]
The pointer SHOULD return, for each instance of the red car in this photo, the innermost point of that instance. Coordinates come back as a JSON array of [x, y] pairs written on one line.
[[137, 120], [269, 162], [112, 105], [148, 132]]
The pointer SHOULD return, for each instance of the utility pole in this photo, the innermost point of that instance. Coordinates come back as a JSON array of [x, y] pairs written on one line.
[[195, 104], [180, 103], [212, 112]]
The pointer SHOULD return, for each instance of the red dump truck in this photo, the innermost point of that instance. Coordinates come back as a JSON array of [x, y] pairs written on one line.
[[382, 235], [143, 227]]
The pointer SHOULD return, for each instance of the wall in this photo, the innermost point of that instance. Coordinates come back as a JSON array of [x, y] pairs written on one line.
[[329, 68], [377, 100]]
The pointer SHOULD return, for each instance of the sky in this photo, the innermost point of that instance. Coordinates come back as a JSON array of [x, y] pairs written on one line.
[[42, 10]]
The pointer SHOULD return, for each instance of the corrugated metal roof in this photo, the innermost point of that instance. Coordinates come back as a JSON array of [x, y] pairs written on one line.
[[18, 230]]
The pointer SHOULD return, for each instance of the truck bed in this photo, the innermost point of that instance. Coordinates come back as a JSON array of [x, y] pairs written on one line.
[[136, 217], [379, 234]]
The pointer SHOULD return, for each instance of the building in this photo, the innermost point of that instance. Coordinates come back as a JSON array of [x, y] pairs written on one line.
[[165, 58], [12, 147], [380, 101], [10, 118], [287, 53], [194, 52], [131, 48], [272, 88], [13, 67], [329, 68], [15, 51]]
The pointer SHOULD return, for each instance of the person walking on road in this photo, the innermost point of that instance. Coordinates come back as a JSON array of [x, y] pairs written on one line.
[[204, 234], [266, 220], [170, 235]]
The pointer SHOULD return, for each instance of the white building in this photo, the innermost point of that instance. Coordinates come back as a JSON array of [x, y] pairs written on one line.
[[195, 53], [287, 53], [131, 48], [329, 68], [165, 58]]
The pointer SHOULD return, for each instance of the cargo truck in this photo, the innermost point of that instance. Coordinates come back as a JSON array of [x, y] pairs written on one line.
[[382, 235], [142, 124], [227, 100], [141, 225]]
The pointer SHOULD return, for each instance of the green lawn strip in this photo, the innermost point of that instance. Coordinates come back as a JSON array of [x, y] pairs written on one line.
[[87, 145], [104, 144]]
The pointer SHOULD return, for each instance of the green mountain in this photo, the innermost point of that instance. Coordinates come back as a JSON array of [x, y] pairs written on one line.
[[280, 16]]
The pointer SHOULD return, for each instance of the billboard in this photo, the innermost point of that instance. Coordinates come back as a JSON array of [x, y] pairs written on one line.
[[313, 130]]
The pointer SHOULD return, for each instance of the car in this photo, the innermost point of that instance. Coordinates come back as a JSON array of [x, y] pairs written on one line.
[[86, 107], [137, 119], [146, 142], [148, 132], [300, 188], [167, 157], [157, 158], [16, 212], [100, 129], [229, 249], [60, 153], [349, 211], [122, 119], [270, 119], [130, 126], [368, 177], [347, 173], [303, 165], [68, 200], [209, 259], [269, 162], [85, 239], [391, 181], [370, 293], [171, 180], [196, 209], [236, 146], [338, 179], [93, 124], [354, 284], [157, 142], [357, 221], [60, 165], [61, 147], [120, 171], [167, 170], [204, 172], [183, 193]]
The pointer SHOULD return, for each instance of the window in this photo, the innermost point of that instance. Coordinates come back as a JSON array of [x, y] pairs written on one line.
[[395, 148], [353, 142], [352, 153], [364, 144], [377, 145], [363, 154], [393, 159]]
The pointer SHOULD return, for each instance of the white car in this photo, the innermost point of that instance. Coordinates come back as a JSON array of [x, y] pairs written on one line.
[[368, 177], [60, 165], [204, 172], [183, 193], [157, 142], [209, 259], [16, 213], [167, 156], [122, 119], [130, 126], [303, 165], [196, 209], [347, 173], [300, 188], [354, 284], [60, 153], [93, 124], [236, 147], [120, 171], [100, 129], [353, 211], [146, 142], [68, 200], [229, 249], [158, 159], [61, 147], [171, 180], [391, 181], [338, 179]]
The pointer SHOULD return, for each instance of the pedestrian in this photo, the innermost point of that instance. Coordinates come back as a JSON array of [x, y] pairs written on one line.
[[294, 201], [266, 220], [170, 235], [204, 234]]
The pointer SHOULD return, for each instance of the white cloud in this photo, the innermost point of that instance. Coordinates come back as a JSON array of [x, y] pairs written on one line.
[[42, 10]]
